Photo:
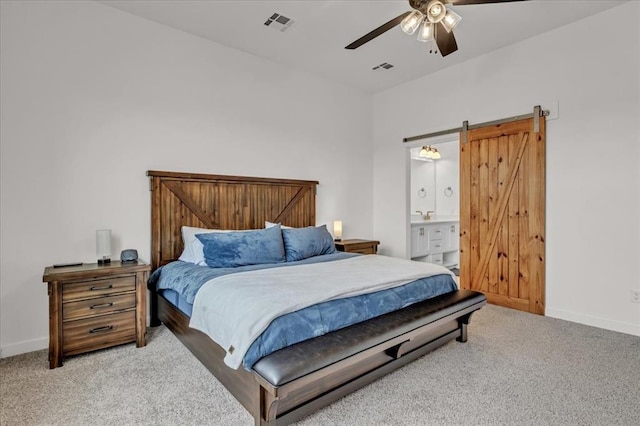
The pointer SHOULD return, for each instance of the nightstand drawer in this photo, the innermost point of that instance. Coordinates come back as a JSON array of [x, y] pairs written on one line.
[[368, 250], [98, 306], [81, 290], [98, 332]]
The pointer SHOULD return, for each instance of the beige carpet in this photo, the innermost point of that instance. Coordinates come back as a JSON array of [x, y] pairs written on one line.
[[516, 369]]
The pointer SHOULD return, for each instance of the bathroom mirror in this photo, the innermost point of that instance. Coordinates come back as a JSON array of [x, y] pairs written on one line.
[[423, 185], [435, 183]]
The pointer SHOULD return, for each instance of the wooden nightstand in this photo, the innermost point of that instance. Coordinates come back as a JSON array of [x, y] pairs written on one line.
[[358, 246], [95, 306]]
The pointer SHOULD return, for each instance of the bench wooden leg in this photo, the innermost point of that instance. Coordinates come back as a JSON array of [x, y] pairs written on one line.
[[463, 323]]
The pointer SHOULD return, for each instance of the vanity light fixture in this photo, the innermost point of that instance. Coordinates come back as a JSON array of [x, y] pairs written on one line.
[[429, 152]]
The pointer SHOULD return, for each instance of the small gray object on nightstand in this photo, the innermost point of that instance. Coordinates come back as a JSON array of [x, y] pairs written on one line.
[[129, 256]]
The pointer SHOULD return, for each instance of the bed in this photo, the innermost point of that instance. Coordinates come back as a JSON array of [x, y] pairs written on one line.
[[294, 381]]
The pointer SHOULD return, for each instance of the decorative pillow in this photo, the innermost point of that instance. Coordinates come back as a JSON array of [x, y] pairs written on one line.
[[302, 243], [192, 247], [232, 249]]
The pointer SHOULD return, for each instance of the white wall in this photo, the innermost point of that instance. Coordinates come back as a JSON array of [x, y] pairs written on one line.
[[593, 201], [93, 97]]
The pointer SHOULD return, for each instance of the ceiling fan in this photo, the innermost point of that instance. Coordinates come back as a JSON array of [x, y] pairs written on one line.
[[435, 21]]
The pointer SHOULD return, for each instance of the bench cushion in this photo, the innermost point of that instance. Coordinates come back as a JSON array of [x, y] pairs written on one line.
[[311, 355]]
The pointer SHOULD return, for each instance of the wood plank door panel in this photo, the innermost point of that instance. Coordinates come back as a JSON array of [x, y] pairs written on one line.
[[502, 214]]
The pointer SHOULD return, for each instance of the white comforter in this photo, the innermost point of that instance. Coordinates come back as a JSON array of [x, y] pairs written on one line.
[[235, 309]]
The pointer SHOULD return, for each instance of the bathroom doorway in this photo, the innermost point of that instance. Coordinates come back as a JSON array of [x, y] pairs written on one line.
[[434, 202]]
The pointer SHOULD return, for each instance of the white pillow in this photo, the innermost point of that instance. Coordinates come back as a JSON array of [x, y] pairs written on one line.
[[268, 224], [193, 248]]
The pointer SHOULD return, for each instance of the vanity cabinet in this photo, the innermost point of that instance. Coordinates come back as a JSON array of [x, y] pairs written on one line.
[[436, 242], [419, 241]]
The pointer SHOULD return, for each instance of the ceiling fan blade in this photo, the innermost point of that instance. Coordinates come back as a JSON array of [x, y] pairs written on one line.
[[378, 31], [446, 41], [463, 2]]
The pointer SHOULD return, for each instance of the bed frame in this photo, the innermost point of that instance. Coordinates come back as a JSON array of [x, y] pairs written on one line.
[[380, 345]]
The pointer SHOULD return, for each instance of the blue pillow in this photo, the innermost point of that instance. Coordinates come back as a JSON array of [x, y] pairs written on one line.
[[301, 243], [232, 249]]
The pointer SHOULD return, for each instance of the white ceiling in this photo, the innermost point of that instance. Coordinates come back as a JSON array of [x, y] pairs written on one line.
[[315, 42]]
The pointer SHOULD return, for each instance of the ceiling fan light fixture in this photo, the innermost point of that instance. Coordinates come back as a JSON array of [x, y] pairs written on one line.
[[411, 23], [436, 11], [426, 31], [450, 20]]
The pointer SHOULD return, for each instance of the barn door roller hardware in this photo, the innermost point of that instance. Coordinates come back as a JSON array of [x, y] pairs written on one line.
[[536, 114]]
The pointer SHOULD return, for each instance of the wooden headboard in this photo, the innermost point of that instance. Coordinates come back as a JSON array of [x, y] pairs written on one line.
[[222, 202]]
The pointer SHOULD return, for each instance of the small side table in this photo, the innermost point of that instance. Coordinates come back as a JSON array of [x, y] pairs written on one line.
[[95, 306], [358, 246]]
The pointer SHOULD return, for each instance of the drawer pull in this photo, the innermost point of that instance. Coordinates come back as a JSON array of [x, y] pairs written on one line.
[[105, 287], [102, 305], [101, 329]]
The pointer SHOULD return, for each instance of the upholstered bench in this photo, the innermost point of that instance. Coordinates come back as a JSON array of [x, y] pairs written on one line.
[[392, 335]]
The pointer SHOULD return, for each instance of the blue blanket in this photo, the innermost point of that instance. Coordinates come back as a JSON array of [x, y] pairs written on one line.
[[186, 279]]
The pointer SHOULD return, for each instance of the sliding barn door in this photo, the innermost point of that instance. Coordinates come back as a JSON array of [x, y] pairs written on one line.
[[502, 213]]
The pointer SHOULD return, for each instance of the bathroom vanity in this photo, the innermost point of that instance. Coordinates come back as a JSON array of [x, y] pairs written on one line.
[[436, 241]]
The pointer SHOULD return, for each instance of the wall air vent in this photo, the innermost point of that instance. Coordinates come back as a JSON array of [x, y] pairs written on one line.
[[279, 22], [383, 65]]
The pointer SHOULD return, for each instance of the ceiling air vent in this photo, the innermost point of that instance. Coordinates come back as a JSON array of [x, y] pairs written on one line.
[[279, 22], [383, 65]]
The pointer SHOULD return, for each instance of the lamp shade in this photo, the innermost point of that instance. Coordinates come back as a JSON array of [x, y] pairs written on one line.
[[337, 230], [410, 24], [426, 31], [103, 244], [451, 20]]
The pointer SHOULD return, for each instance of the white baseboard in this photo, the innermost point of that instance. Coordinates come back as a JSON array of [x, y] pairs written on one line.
[[31, 345], [607, 324], [24, 347]]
